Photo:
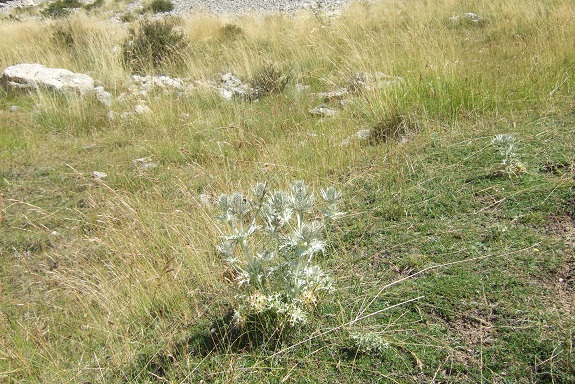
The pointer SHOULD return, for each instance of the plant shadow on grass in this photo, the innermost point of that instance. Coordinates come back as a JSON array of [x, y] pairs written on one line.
[[221, 337]]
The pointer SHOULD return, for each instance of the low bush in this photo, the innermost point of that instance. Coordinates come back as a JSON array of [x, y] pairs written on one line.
[[154, 45], [269, 79], [230, 32]]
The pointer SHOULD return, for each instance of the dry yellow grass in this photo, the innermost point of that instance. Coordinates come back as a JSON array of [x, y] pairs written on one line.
[[97, 271]]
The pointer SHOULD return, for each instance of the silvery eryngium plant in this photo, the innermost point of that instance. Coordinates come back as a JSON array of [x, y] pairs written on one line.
[[506, 146], [270, 252]]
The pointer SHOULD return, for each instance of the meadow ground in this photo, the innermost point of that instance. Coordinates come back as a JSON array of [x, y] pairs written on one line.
[[448, 266]]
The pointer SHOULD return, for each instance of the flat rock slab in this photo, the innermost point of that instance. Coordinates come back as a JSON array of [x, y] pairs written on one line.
[[35, 76]]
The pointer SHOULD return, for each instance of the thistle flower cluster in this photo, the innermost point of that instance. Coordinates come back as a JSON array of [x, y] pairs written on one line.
[[274, 238], [506, 146]]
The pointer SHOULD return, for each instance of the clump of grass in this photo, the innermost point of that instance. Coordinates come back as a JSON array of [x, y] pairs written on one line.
[[230, 32], [393, 126], [72, 36], [159, 6], [268, 80], [154, 45]]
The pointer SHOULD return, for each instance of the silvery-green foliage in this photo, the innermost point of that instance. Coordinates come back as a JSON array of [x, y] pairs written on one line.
[[506, 146], [368, 342], [274, 237], [331, 196]]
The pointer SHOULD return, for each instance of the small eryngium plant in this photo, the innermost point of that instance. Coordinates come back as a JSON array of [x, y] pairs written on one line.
[[274, 237], [510, 165]]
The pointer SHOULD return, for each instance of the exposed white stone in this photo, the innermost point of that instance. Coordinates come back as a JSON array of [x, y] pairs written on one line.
[[334, 95], [363, 134], [142, 109], [226, 94], [231, 86], [144, 163], [470, 16], [99, 175], [35, 76], [103, 96]]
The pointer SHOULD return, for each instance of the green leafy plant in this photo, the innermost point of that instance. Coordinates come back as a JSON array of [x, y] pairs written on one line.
[[154, 45], [270, 253], [506, 146]]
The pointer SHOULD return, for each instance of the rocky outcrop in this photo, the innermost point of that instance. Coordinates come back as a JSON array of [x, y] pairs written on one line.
[[143, 85], [32, 77], [231, 87]]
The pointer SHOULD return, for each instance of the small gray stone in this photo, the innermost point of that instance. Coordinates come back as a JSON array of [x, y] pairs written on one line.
[[363, 134], [472, 17], [226, 94], [142, 109], [99, 175], [144, 163], [230, 81], [103, 96], [322, 111], [334, 95]]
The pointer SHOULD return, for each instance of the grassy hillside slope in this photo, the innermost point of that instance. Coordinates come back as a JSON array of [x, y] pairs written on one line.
[[447, 266]]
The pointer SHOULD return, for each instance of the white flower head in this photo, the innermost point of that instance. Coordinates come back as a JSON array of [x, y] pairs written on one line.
[[297, 315]]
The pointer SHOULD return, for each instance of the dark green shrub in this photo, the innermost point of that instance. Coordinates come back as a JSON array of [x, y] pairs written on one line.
[[154, 45], [159, 6], [60, 8], [230, 32], [269, 79]]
